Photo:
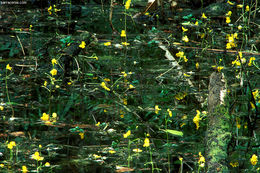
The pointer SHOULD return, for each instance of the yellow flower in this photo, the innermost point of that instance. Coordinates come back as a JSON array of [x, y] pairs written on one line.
[[8, 67], [122, 116], [45, 83], [184, 117], [247, 8], [69, 83], [239, 6], [11, 145], [97, 124], [53, 61], [2, 165], [170, 112], [112, 151], [228, 20], [184, 29], [96, 156], [82, 45], [127, 4], [107, 43], [137, 150], [204, 16], [125, 101], [54, 115], [230, 3], [181, 159], [36, 156], [81, 135], [180, 54], [239, 27], [45, 117], [251, 60], [147, 14], [146, 142], [196, 119], [219, 68], [131, 86], [103, 85], [156, 109], [40, 146], [47, 164], [254, 160], [125, 43], [197, 65], [185, 59], [128, 133], [123, 34], [201, 160], [185, 39], [24, 169], [234, 164], [229, 13], [196, 23], [1, 108], [53, 72], [236, 62], [49, 9], [107, 80]]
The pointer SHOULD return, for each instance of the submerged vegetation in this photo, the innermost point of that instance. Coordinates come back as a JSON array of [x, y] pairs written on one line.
[[100, 87]]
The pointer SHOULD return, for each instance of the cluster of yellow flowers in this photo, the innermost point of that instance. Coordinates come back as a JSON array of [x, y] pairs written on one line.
[[254, 159], [201, 160], [127, 4], [180, 95], [48, 120], [11, 145], [51, 9], [180, 54], [231, 40]]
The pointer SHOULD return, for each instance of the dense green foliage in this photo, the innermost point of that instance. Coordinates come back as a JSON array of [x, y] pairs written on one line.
[[83, 93]]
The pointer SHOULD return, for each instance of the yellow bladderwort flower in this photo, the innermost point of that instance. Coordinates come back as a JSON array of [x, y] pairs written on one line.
[[230, 3], [196, 119], [45, 117], [131, 86], [53, 72], [97, 124], [81, 135], [82, 45], [36, 156], [137, 150], [45, 83], [2, 165], [96, 156], [201, 160], [170, 112], [125, 44], [156, 109], [24, 169], [234, 164], [251, 60], [54, 61], [254, 159], [128, 133], [146, 142], [1, 108], [240, 6], [239, 27], [127, 4], [112, 151], [8, 67], [228, 20], [107, 43], [123, 34], [184, 29], [180, 54], [103, 85], [204, 16], [185, 59], [125, 101], [185, 38], [47, 164], [229, 13], [11, 145], [197, 65], [49, 9], [228, 46], [247, 8]]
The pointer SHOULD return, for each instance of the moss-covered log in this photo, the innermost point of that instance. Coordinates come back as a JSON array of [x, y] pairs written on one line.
[[218, 132]]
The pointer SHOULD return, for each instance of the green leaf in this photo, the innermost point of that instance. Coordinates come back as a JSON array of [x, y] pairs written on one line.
[[174, 132]]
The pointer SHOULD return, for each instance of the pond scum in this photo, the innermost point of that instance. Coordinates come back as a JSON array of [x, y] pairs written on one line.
[[131, 101]]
